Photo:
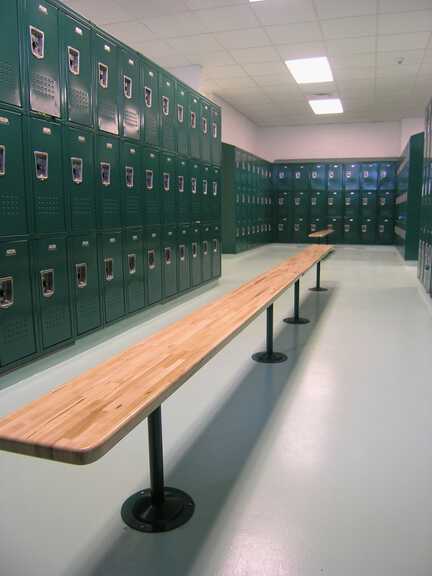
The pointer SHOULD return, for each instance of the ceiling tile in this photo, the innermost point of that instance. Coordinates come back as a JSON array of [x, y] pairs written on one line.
[[149, 8], [182, 24], [202, 4], [405, 22], [284, 11], [320, 88], [228, 18], [351, 45], [426, 70], [412, 41], [294, 33], [154, 49], [219, 58], [202, 42], [264, 68], [410, 58], [397, 71], [233, 71], [175, 60], [403, 5], [349, 27], [130, 32], [276, 80], [101, 11], [306, 50], [243, 38], [354, 72], [261, 54], [338, 9], [366, 59]]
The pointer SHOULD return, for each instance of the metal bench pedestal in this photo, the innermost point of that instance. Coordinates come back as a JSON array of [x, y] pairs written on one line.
[[269, 356], [296, 318], [318, 287]]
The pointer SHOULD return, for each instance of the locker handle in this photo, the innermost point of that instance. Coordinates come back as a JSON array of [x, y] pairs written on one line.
[[74, 60], [215, 246], [194, 249], [194, 185], [193, 120], [165, 105], [205, 247], [132, 263], [148, 96], [180, 113], [109, 269], [149, 179], [215, 130], [41, 165], [205, 187], [103, 75], [81, 274], [129, 174], [6, 292], [37, 42], [168, 258], [77, 170], [2, 160], [151, 258], [204, 124], [127, 87], [166, 182], [182, 252], [47, 283], [181, 183], [105, 173]]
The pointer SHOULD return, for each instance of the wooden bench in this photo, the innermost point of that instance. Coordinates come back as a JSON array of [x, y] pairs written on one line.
[[321, 234], [83, 419]]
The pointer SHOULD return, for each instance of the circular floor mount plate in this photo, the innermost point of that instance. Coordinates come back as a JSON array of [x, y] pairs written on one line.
[[140, 513], [266, 358], [296, 320], [318, 289]]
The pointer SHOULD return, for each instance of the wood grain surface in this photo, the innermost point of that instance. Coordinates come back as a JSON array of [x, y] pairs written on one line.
[[83, 419], [321, 233]]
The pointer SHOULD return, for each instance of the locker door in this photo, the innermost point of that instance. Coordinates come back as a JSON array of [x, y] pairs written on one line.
[[108, 181], [335, 204], [368, 231], [206, 253], [387, 176], [183, 259], [300, 177], [318, 177], [130, 95], [151, 185], [194, 127], [131, 185], [369, 176], [169, 188], [10, 65], [196, 256], [183, 191], [181, 117], [167, 112], [284, 230], [77, 70], [216, 251], [17, 328], [84, 274], [169, 262], [334, 177], [205, 131], [368, 204], [216, 208], [284, 207], [282, 177], [41, 40], [206, 193], [152, 244], [352, 204], [150, 89], [351, 176], [385, 231], [300, 230], [216, 142], [134, 270], [318, 204], [351, 231], [78, 171], [337, 225], [47, 177], [301, 204], [105, 56], [195, 183], [13, 212], [112, 276], [52, 289]]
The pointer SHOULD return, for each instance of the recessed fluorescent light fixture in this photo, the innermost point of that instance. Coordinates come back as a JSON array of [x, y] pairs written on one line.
[[326, 106], [310, 70]]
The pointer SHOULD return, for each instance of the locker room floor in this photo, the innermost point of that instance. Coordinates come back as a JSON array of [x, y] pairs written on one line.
[[321, 465]]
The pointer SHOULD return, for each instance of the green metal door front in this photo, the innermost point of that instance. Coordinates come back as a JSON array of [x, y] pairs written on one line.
[[167, 112], [130, 97], [205, 131], [134, 269], [335, 204], [194, 126], [183, 191], [216, 251], [216, 143], [151, 186], [386, 204], [334, 177], [152, 245], [112, 276], [318, 177], [195, 184], [105, 62], [168, 188], [368, 231], [181, 119], [387, 176], [183, 258], [300, 230], [131, 185], [10, 65], [369, 204], [150, 88], [369, 176], [337, 225], [352, 204], [282, 177], [169, 262], [300, 177], [206, 253], [196, 256], [351, 177], [351, 231], [215, 191], [301, 204], [108, 181], [205, 193], [318, 204], [385, 231], [284, 230]]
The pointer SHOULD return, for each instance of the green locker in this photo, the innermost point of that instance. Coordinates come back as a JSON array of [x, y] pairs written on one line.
[[169, 188], [150, 88], [167, 112], [334, 177], [134, 269], [216, 131], [301, 204], [169, 262], [130, 95], [369, 176], [108, 196], [182, 119], [183, 191], [84, 275], [52, 290], [284, 207], [10, 64], [151, 185], [183, 258], [386, 204], [77, 71], [387, 176], [282, 177], [205, 193], [215, 199], [335, 204], [47, 177], [318, 204], [41, 41], [17, 328], [300, 230], [337, 225], [78, 172], [195, 184], [385, 231], [131, 185], [368, 231], [216, 250], [317, 224], [368, 204], [105, 62], [206, 236], [194, 123], [152, 253], [300, 177], [318, 177], [196, 257], [113, 297], [351, 177], [205, 131], [284, 230], [352, 204], [13, 212], [351, 230]]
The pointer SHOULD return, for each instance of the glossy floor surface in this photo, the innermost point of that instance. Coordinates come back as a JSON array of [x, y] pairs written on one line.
[[318, 466]]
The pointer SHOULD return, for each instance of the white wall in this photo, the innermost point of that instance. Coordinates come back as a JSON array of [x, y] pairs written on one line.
[[410, 126]]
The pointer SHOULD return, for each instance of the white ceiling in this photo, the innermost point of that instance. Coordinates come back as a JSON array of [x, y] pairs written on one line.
[[241, 47]]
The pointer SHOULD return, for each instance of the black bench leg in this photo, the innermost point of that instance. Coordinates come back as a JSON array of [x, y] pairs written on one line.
[[269, 356], [296, 318], [318, 287], [159, 508]]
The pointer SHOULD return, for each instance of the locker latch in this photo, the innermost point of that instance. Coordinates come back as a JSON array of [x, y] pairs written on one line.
[[81, 275], [41, 165], [77, 170], [151, 258], [193, 120], [205, 247], [2, 160], [181, 183], [205, 187], [165, 105], [127, 87], [74, 60], [215, 130], [182, 252], [129, 173], [109, 269], [194, 185], [132, 263], [204, 123], [47, 283], [166, 181], [167, 253], [194, 249], [215, 245], [6, 292], [149, 179], [215, 188], [148, 96], [37, 40], [180, 113], [105, 172], [103, 75]]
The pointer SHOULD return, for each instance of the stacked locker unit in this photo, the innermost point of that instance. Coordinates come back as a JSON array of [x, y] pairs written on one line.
[[318, 197], [97, 148], [387, 184], [425, 240], [301, 202], [282, 185]]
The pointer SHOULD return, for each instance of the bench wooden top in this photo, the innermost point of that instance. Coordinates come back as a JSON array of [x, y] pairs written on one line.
[[321, 233], [83, 419]]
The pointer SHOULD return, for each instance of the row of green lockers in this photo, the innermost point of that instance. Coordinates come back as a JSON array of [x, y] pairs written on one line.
[[76, 181], [425, 235], [56, 63], [57, 288]]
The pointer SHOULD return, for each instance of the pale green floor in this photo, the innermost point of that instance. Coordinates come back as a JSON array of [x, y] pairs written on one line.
[[319, 466]]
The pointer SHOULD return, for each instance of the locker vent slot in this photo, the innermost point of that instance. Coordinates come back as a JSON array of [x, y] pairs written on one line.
[[37, 41], [74, 60], [151, 258], [77, 170], [166, 182], [132, 263], [193, 120], [127, 87], [194, 185], [41, 165], [181, 183], [180, 113], [6, 292], [105, 172], [80, 99], [205, 187], [165, 105], [215, 246], [109, 269], [103, 75], [182, 252], [129, 173], [149, 179], [81, 275], [47, 283], [148, 96], [168, 257], [205, 247], [2, 160], [194, 249]]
